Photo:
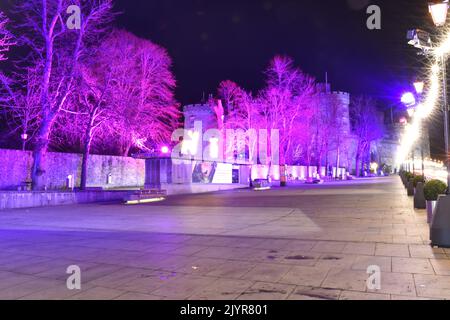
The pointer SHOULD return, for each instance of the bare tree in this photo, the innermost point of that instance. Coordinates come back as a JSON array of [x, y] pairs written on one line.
[[287, 95], [89, 111], [142, 92], [56, 51], [367, 127], [242, 113], [23, 109], [230, 93], [329, 130], [6, 39]]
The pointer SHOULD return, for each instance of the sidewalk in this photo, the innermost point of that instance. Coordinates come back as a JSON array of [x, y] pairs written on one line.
[[286, 243]]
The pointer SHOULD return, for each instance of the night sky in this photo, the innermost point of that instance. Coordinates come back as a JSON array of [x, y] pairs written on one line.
[[212, 40]]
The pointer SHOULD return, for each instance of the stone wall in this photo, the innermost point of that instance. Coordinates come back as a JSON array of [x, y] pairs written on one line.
[[15, 168], [24, 199]]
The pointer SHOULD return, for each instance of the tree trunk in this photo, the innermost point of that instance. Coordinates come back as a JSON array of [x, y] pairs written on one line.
[[39, 153], [127, 150], [86, 152], [358, 155], [363, 160], [338, 159]]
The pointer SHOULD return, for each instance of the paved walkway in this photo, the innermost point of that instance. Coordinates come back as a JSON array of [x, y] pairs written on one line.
[[305, 242]]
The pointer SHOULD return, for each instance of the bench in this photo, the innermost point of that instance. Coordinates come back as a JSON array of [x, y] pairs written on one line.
[[146, 195], [25, 186], [261, 184]]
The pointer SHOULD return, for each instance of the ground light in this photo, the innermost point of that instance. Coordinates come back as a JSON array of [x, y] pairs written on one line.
[[262, 188], [142, 201]]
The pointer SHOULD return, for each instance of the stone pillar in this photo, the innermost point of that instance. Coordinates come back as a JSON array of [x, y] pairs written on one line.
[[158, 171]]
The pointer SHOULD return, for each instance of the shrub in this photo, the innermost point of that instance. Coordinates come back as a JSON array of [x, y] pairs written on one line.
[[408, 175], [418, 179], [433, 189]]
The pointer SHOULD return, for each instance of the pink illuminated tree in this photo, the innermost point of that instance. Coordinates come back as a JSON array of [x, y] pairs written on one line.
[[56, 51], [123, 99], [286, 98], [23, 107], [142, 92], [6, 39], [242, 113]]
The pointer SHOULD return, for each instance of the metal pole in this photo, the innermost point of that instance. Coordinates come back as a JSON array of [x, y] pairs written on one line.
[[423, 162], [446, 118]]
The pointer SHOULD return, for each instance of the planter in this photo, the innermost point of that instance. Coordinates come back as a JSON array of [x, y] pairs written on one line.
[[410, 188], [419, 197], [430, 209], [440, 225]]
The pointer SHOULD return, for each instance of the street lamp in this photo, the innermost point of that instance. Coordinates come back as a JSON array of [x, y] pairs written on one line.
[[440, 226], [24, 137], [419, 86], [408, 99], [439, 13]]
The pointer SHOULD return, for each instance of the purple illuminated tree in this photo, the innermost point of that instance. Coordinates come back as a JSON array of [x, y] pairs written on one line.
[[56, 51], [142, 92], [242, 112], [23, 107], [286, 98], [367, 126], [6, 39]]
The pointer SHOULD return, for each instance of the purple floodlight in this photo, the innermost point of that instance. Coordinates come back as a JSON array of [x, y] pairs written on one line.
[[408, 99]]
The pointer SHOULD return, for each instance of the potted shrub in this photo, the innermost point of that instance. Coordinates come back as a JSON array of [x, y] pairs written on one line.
[[407, 177], [418, 179], [410, 187], [432, 190], [419, 196]]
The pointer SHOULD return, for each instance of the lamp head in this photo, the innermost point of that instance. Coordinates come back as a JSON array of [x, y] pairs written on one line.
[[439, 12]]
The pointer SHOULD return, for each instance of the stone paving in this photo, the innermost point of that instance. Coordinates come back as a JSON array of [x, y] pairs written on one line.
[[303, 242]]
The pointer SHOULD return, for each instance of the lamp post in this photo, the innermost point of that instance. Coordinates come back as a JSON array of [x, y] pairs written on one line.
[[419, 86], [24, 137], [409, 100], [440, 224], [439, 13]]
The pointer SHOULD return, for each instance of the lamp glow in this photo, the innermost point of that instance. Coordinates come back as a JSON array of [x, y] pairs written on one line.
[[439, 13], [408, 99], [165, 150], [419, 85]]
